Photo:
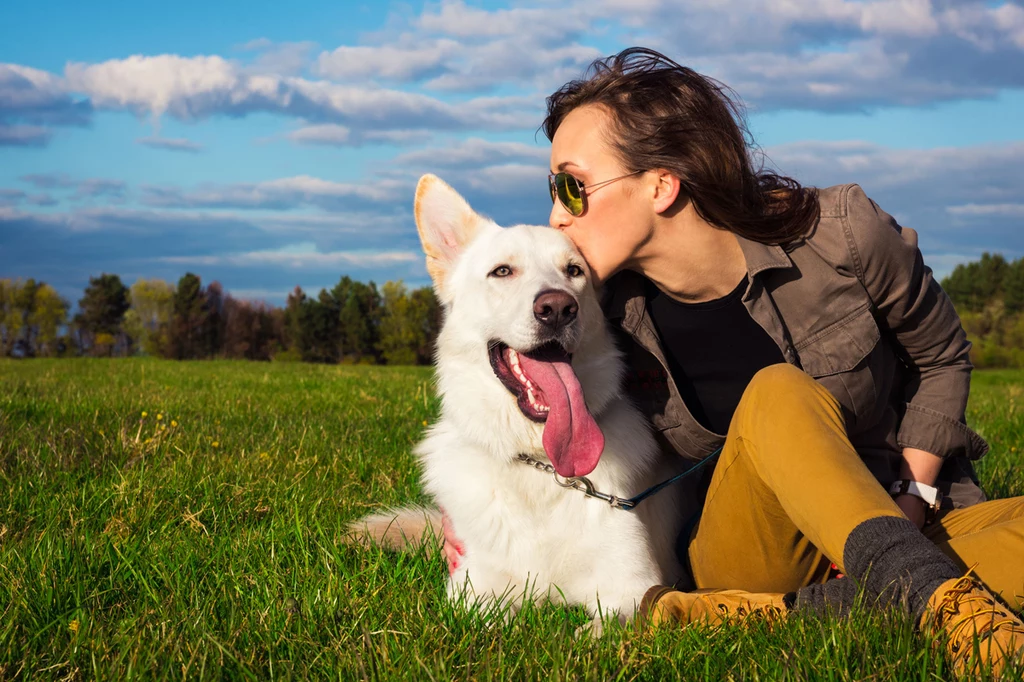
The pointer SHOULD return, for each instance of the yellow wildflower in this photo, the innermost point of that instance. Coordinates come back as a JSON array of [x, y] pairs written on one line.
[[159, 417], [174, 423], [145, 414], [73, 626], [215, 444], [424, 422]]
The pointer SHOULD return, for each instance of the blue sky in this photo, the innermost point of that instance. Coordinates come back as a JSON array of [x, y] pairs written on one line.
[[268, 146]]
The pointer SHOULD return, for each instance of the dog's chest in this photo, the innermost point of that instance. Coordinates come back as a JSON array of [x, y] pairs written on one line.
[[531, 523]]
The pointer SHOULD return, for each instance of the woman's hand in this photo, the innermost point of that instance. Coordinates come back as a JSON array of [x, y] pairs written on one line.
[[914, 508], [452, 548], [923, 467]]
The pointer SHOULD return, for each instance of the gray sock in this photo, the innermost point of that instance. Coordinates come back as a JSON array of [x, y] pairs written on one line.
[[895, 564], [834, 597]]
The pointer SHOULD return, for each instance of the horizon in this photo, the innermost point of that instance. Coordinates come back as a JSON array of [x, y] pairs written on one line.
[[268, 149]]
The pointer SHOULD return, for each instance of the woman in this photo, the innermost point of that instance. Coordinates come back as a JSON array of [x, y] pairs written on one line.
[[724, 282]]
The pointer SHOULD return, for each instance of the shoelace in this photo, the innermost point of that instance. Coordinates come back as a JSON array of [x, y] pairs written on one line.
[[768, 611], [951, 605]]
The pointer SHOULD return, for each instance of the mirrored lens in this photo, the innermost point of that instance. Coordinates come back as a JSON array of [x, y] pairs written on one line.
[[569, 193]]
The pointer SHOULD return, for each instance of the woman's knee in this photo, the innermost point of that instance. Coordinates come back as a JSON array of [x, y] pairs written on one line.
[[778, 388], [779, 381]]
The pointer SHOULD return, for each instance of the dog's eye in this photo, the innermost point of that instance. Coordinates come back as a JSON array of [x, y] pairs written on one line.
[[574, 270], [500, 271]]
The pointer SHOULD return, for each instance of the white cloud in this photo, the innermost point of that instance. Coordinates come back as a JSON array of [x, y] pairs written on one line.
[[9, 197], [31, 100], [396, 137], [1010, 18], [184, 86], [389, 62], [86, 188], [444, 64], [42, 199], [37, 96], [334, 135], [473, 151], [1002, 210], [989, 171], [456, 48], [959, 199], [280, 194], [809, 54], [299, 256], [24, 135], [48, 180], [288, 59], [839, 54], [327, 134], [353, 229], [255, 45], [194, 88], [508, 178], [550, 24], [174, 144], [101, 187]]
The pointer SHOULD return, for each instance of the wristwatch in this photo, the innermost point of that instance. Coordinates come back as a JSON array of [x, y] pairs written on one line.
[[930, 495]]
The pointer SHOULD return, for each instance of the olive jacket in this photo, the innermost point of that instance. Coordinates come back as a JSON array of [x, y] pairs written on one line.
[[854, 306]]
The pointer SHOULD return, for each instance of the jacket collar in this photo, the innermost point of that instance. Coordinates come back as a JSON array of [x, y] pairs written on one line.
[[623, 297]]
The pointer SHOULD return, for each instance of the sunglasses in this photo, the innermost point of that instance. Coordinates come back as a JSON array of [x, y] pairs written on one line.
[[570, 193]]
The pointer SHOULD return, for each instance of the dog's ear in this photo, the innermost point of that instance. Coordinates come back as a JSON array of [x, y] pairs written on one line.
[[446, 224]]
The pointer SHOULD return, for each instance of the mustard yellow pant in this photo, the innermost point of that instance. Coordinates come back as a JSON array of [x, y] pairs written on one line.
[[789, 487]]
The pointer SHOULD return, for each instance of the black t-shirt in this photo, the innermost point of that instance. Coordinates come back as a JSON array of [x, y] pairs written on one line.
[[713, 349]]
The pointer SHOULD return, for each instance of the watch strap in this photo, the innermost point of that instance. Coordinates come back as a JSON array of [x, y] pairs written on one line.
[[930, 495]]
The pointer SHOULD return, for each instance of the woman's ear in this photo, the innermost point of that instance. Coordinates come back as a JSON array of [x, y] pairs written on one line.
[[665, 191]]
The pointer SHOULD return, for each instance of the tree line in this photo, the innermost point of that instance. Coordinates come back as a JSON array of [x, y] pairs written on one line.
[[353, 322], [359, 322], [989, 296]]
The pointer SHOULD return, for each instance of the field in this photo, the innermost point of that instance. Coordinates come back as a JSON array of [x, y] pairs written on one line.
[[185, 521]]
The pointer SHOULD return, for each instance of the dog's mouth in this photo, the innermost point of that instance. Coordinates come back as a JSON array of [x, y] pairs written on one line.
[[547, 391]]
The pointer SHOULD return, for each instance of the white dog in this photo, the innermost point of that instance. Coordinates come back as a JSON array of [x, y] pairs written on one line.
[[529, 376]]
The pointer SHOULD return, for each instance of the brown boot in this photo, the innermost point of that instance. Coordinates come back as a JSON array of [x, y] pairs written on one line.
[[977, 630], [712, 607]]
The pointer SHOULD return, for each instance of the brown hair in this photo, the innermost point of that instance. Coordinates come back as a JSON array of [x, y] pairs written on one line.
[[669, 116]]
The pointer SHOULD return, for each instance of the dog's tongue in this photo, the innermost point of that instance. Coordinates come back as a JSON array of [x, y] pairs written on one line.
[[572, 440]]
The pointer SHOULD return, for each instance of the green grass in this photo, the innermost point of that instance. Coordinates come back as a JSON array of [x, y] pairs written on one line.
[[204, 540]]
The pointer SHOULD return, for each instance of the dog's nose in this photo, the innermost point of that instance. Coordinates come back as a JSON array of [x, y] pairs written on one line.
[[555, 308]]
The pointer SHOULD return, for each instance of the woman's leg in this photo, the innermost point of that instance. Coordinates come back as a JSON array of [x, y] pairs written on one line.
[[787, 492], [790, 488], [988, 538]]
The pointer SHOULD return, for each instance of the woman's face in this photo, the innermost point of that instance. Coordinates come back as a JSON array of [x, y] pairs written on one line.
[[618, 216]]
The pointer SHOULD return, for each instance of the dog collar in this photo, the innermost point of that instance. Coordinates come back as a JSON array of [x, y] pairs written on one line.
[[584, 485]]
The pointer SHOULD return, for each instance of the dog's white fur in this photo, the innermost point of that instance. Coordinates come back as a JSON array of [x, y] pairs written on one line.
[[524, 535]]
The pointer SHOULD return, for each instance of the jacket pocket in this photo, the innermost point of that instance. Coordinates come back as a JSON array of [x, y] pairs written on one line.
[[843, 357], [841, 346]]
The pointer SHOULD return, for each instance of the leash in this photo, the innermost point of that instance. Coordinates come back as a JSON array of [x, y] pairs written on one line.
[[583, 484]]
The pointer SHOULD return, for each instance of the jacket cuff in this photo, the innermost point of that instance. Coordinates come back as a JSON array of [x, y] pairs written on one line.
[[934, 432]]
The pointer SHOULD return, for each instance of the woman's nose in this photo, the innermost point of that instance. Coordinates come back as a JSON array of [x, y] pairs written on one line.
[[559, 218]]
